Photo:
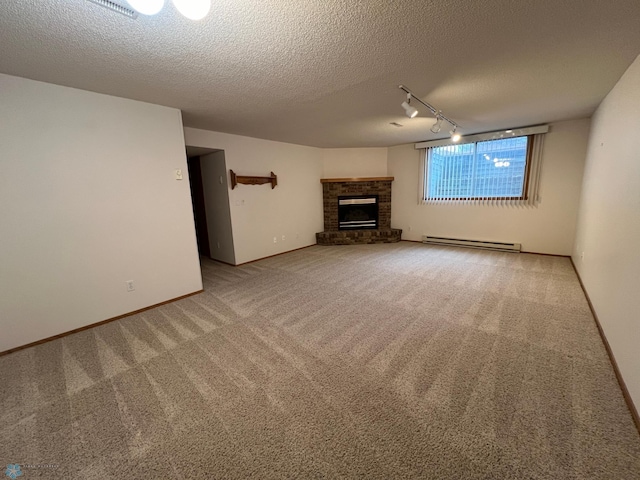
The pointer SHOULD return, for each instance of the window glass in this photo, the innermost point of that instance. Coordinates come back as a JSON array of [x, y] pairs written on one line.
[[488, 169]]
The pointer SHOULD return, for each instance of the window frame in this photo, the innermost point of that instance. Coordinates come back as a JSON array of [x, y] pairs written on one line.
[[530, 195], [525, 178]]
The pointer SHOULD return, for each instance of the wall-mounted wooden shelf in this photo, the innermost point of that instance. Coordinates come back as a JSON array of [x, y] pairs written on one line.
[[359, 179], [249, 180]]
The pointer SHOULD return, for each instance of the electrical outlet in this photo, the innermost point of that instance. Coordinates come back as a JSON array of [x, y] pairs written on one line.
[[130, 286], [178, 174], [582, 256], [283, 237], [275, 239]]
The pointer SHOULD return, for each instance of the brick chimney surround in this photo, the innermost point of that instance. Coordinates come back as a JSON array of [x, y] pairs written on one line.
[[333, 188]]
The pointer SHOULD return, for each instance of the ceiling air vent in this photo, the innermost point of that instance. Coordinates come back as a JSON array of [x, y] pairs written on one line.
[[396, 124], [116, 7]]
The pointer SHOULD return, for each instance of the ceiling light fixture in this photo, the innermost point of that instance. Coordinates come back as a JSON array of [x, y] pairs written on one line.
[[193, 9], [438, 125], [146, 7], [408, 109], [455, 137], [116, 7], [438, 114]]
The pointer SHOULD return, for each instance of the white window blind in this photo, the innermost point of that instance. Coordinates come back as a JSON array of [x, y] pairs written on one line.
[[502, 171]]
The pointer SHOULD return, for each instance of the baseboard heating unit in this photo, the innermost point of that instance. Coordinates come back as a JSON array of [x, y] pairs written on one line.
[[458, 242]]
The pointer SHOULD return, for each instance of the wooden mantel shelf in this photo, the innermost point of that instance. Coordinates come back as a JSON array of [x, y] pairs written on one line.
[[358, 179]]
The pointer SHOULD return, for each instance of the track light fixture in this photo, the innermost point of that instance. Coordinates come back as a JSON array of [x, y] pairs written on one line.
[[412, 112], [454, 135], [408, 109], [438, 125]]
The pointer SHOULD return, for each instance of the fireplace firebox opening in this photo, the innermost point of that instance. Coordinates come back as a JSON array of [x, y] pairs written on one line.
[[358, 212]]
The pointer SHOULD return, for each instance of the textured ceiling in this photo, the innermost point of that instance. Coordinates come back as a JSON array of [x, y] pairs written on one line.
[[325, 72]]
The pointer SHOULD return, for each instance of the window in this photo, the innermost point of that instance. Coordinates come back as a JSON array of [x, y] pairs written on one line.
[[501, 168], [492, 169]]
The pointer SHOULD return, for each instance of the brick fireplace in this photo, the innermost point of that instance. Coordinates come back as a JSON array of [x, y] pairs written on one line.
[[342, 193]]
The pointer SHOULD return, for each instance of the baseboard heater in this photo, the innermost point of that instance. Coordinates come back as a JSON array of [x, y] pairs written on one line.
[[500, 246]]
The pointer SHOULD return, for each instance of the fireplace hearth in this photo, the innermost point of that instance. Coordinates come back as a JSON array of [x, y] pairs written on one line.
[[357, 210]]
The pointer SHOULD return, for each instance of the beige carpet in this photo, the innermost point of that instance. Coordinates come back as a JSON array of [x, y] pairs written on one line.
[[375, 361]]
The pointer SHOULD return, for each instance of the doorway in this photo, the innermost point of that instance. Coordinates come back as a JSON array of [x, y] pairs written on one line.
[[210, 199], [197, 201]]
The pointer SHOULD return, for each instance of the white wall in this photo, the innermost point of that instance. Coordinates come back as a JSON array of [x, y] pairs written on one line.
[[258, 214], [215, 184], [547, 228], [89, 200], [609, 224], [354, 162]]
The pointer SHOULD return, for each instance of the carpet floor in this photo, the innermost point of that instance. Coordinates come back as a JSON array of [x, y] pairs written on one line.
[[372, 361]]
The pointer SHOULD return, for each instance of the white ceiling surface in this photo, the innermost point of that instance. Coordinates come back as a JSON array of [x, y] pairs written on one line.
[[325, 73]]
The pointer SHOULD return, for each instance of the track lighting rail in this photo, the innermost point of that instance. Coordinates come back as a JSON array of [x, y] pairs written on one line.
[[438, 114]]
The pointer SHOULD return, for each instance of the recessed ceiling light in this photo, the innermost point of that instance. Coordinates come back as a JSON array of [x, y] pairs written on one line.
[[193, 9]]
